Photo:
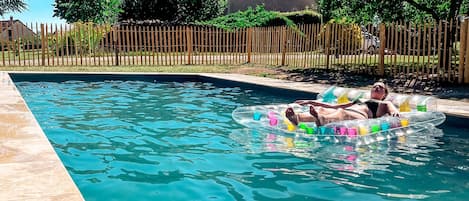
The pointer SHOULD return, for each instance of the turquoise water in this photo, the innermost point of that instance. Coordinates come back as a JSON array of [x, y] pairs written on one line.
[[135, 140]]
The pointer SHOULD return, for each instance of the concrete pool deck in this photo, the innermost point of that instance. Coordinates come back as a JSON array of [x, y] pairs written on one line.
[[30, 168]]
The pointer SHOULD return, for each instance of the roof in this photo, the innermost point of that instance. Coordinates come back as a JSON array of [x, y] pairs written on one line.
[[6, 23]]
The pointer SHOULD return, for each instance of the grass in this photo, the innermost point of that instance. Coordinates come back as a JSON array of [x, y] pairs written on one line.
[[244, 69]]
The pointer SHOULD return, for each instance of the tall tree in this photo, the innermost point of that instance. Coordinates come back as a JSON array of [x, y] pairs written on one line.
[[392, 10], [97, 11], [365, 11], [172, 11], [11, 6]]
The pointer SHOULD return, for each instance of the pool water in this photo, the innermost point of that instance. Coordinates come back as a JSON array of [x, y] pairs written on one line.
[[165, 140]]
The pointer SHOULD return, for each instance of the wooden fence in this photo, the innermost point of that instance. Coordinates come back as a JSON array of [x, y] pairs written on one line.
[[435, 51]]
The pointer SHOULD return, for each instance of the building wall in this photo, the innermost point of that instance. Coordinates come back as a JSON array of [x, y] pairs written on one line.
[[18, 30], [275, 5]]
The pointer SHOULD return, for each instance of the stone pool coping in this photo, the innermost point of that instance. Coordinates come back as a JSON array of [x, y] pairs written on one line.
[[30, 168]]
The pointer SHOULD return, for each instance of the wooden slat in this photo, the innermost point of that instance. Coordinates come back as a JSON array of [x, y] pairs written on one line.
[[216, 45], [2, 46], [133, 51], [119, 45], [66, 51], [417, 49], [236, 46], [157, 53], [284, 45], [153, 44], [160, 58], [382, 38], [43, 45], [148, 45], [165, 45], [181, 45], [317, 29], [394, 43], [439, 48], [445, 43], [397, 49], [62, 44], [307, 45], [172, 43], [423, 49], [125, 45], [408, 48], [75, 42], [139, 44], [202, 53], [450, 51], [429, 47], [304, 48], [17, 53], [354, 48], [33, 44], [189, 44], [210, 45], [462, 50], [23, 45], [100, 34], [435, 34], [466, 68], [340, 44]]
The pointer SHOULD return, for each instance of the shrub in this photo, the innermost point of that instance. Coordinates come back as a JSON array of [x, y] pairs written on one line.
[[82, 38], [347, 32], [259, 17]]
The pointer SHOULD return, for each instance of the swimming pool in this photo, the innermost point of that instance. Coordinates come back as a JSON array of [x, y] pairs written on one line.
[[172, 138]]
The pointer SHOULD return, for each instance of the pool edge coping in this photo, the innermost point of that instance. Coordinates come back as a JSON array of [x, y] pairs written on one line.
[[28, 161]]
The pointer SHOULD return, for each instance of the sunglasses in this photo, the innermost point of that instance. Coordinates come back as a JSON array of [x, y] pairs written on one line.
[[378, 85]]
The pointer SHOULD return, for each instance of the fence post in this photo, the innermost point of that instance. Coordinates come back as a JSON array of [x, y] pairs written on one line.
[[43, 45], [382, 46], [328, 45], [462, 51], [284, 42], [189, 44], [114, 42], [249, 44], [466, 69]]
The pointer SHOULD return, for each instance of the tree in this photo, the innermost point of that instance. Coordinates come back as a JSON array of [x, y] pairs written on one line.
[[393, 10], [97, 11], [172, 11], [365, 11], [11, 6]]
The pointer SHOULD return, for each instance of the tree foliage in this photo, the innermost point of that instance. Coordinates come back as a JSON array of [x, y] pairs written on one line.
[[249, 18], [97, 11], [259, 17], [11, 6], [392, 10], [172, 11]]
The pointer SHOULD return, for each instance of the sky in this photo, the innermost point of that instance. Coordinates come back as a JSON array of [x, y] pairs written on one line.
[[39, 11]]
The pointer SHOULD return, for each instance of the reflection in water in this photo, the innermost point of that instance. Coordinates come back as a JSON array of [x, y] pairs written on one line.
[[349, 164]]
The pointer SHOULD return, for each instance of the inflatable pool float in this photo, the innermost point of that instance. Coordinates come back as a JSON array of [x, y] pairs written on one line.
[[417, 113]]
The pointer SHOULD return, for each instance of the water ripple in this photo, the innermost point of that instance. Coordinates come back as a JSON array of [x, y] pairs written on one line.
[[177, 141]]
